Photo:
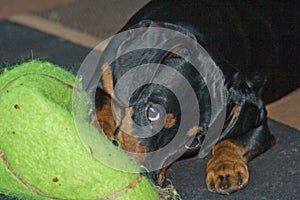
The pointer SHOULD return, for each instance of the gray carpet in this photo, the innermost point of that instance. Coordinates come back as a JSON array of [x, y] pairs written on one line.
[[274, 175]]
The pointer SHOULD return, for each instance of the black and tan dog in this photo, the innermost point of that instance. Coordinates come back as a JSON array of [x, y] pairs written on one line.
[[256, 46]]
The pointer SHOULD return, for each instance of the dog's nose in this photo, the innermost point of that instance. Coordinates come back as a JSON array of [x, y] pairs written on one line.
[[115, 142]]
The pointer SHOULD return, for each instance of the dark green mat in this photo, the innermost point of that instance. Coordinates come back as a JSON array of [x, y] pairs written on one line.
[[274, 175]]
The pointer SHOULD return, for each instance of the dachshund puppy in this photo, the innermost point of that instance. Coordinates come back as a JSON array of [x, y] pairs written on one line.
[[254, 45]]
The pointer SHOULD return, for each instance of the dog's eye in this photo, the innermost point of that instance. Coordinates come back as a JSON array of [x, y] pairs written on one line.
[[152, 113]]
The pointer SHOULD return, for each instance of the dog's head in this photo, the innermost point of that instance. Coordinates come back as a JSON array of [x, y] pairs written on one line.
[[151, 95]]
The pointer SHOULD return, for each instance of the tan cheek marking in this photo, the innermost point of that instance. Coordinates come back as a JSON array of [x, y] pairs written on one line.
[[104, 118], [107, 79], [193, 131], [128, 142], [132, 146], [170, 121]]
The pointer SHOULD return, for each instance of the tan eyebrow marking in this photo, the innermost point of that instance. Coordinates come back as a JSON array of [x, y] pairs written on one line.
[[107, 79], [170, 120]]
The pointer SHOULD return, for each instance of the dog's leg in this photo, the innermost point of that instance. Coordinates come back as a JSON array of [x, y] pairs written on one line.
[[227, 170]]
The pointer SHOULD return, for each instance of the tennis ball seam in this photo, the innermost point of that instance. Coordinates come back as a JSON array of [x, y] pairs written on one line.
[[46, 75], [63, 83], [115, 195], [19, 177], [119, 193]]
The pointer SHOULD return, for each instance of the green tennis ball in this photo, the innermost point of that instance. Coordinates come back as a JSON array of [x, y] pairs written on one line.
[[41, 153]]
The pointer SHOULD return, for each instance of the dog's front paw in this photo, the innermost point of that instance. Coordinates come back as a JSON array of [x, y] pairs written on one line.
[[226, 171]]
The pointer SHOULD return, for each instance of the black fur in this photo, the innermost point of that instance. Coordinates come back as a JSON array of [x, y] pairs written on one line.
[[256, 44]]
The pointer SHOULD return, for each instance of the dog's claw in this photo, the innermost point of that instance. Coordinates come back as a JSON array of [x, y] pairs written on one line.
[[224, 183], [240, 180], [227, 184], [221, 185]]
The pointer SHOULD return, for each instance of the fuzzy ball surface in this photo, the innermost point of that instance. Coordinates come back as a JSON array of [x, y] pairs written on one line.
[[41, 154]]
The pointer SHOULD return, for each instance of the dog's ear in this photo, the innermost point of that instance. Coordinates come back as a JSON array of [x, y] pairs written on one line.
[[132, 50], [245, 95], [238, 91], [143, 43], [256, 82]]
